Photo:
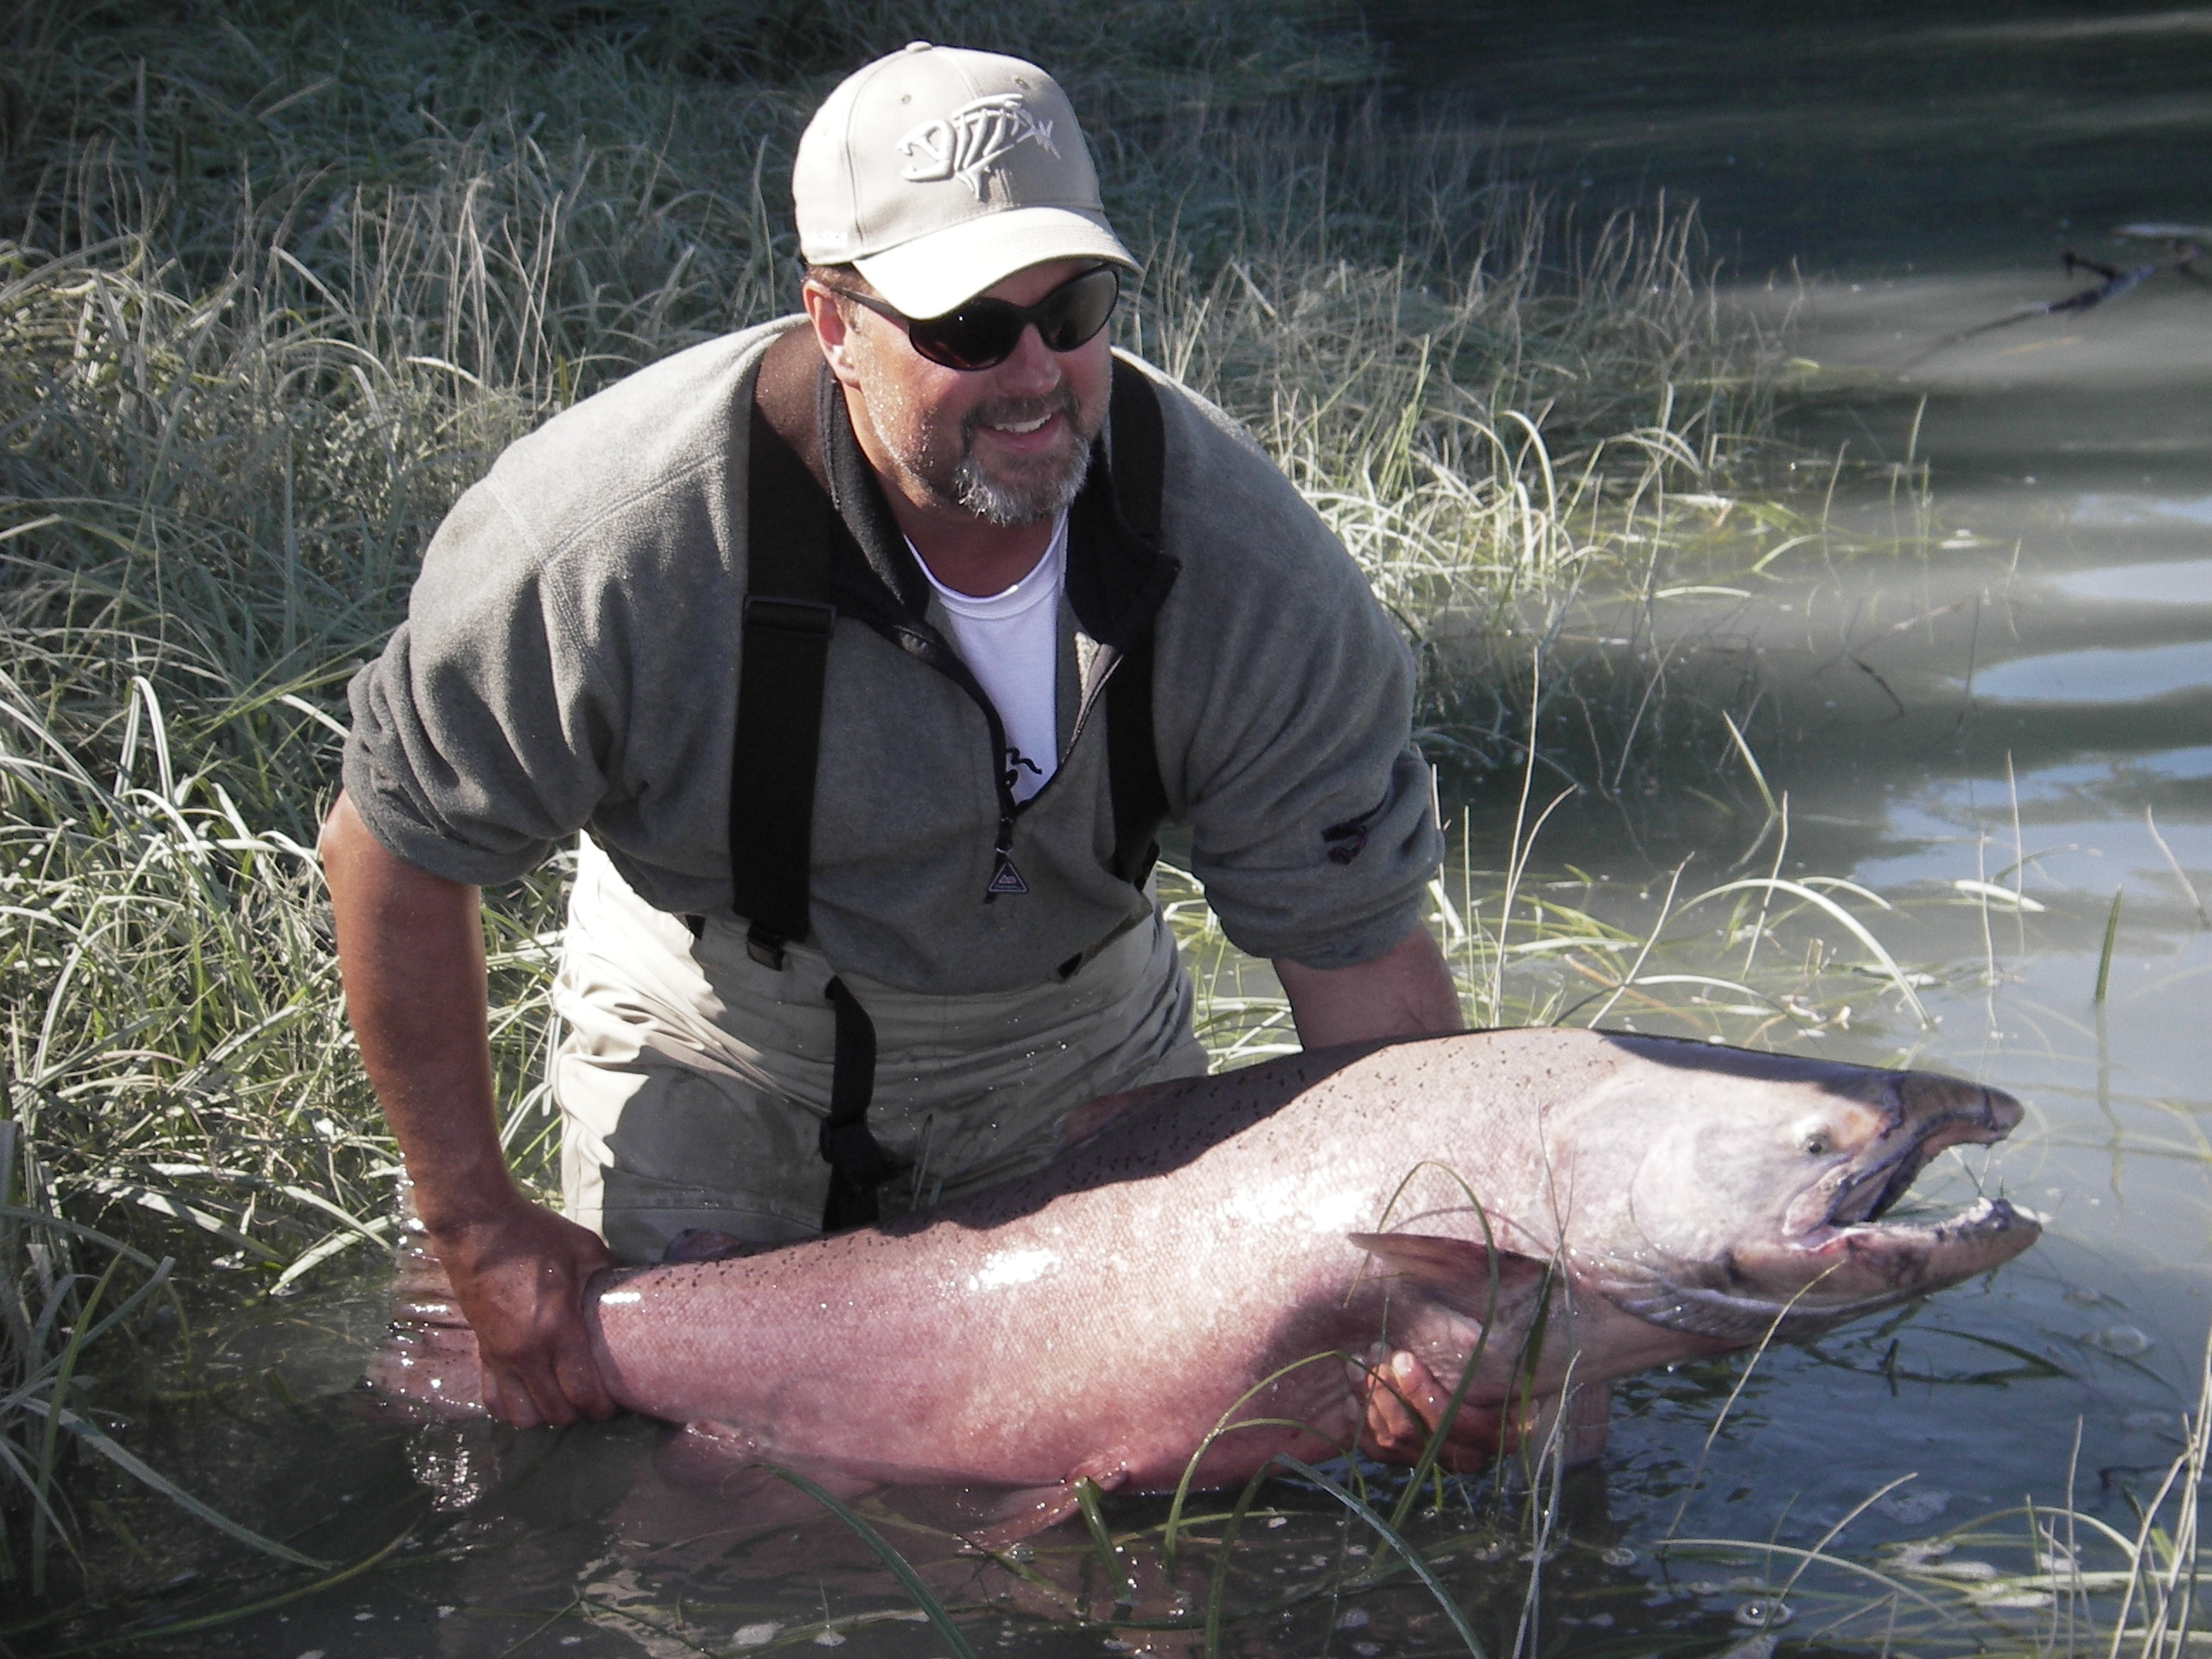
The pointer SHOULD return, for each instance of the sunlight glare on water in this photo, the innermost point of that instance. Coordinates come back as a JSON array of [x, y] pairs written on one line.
[[2098, 674]]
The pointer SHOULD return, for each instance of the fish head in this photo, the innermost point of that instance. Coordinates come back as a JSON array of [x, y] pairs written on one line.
[[1762, 1186]]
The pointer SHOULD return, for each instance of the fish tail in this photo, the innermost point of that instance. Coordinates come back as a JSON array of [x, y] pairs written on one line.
[[429, 1361]]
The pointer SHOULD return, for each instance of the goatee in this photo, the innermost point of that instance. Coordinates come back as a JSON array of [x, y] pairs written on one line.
[[1041, 487]]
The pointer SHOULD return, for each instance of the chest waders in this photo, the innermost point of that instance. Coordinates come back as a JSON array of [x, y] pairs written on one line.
[[795, 534]]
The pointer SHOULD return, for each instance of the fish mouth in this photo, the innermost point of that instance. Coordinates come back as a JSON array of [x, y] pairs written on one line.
[[1869, 1191], [1860, 1256]]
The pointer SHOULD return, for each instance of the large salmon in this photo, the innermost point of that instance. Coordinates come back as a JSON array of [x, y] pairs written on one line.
[[1653, 1198]]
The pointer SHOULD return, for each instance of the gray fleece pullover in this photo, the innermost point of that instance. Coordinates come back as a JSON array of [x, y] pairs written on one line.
[[570, 661]]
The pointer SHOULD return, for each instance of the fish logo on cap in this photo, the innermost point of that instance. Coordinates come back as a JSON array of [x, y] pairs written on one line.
[[972, 141]]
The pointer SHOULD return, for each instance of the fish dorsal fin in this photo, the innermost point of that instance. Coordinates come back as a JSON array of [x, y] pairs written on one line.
[[1456, 1271]]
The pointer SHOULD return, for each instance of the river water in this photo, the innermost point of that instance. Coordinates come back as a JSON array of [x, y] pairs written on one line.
[[2006, 678], [1996, 669]]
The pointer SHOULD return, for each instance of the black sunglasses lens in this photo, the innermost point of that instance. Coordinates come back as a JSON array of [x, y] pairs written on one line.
[[984, 333], [1079, 308]]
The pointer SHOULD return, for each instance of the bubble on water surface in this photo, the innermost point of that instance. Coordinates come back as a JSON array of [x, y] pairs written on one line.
[[1762, 1613], [2124, 1340]]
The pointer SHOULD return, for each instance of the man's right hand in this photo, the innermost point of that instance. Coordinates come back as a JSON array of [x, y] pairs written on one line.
[[411, 951], [519, 1277]]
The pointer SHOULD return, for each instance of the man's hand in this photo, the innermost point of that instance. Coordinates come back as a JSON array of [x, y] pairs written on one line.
[[1404, 1406], [519, 1278], [410, 952]]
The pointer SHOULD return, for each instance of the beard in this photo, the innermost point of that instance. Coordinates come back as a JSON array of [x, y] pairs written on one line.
[[1009, 491], [1040, 487]]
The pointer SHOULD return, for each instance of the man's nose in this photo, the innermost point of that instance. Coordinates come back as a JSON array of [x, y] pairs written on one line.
[[1032, 369]]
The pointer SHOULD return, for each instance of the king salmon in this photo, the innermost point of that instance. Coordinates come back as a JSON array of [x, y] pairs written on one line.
[[1561, 1207]]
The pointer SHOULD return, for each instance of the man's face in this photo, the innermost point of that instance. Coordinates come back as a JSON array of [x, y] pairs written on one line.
[[1009, 444]]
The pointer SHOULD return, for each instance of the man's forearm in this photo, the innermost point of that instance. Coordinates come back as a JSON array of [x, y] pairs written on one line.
[[410, 952], [1405, 992]]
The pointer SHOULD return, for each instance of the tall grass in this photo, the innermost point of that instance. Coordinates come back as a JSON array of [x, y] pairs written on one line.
[[276, 282]]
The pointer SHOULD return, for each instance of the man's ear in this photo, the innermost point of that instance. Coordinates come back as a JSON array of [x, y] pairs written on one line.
[[831, 332]]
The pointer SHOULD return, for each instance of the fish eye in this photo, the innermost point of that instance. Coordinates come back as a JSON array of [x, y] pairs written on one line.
[[1817, 1144]]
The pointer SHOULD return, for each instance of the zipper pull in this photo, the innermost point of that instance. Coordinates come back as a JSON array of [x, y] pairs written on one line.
[[1004, 878]]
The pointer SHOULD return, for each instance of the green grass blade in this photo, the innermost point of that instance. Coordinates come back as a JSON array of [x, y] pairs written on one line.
[[1094, 1521], [1217, 1580], [1858, 928], [139, 1471], [891, 1558], [2111, 936], [1390, 1536], [65, 1372]]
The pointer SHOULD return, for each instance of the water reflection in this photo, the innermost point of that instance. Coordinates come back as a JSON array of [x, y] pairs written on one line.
[[2100, 674], [1857, 133], [2185, 582]]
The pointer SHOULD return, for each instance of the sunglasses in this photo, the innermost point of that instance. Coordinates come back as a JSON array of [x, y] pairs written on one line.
[[984, 333]]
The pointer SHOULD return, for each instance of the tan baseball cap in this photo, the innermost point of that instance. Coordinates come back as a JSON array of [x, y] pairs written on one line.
[[938, 172]]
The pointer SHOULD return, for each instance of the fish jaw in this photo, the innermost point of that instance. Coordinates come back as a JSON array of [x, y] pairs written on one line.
[[1848, 1257], [1869, 1265], [1929, 1115], [1838, 1276]]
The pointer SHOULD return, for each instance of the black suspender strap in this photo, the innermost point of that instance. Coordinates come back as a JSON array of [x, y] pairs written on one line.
[[789, 618], [1140, 803], [857, 1164]]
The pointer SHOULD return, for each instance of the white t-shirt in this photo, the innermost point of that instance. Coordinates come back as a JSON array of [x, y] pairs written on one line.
[[1010, 641]]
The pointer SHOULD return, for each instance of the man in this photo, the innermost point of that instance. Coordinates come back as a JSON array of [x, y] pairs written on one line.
[[961, 947]]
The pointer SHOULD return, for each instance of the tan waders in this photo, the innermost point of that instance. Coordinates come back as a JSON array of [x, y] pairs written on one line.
[[693, 1081]]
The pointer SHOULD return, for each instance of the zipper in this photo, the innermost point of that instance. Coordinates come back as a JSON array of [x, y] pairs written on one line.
[[929, 647]]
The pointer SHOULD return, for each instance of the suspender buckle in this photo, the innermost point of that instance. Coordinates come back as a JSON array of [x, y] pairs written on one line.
[[765, 948], [808, 617]]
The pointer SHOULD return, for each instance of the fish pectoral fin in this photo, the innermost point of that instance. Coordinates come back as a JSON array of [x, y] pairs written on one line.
[[1579, 1419], [1457, 1271], [1022, 1514]]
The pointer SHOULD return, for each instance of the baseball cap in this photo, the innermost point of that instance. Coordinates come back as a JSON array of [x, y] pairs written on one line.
[[939, 171]]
